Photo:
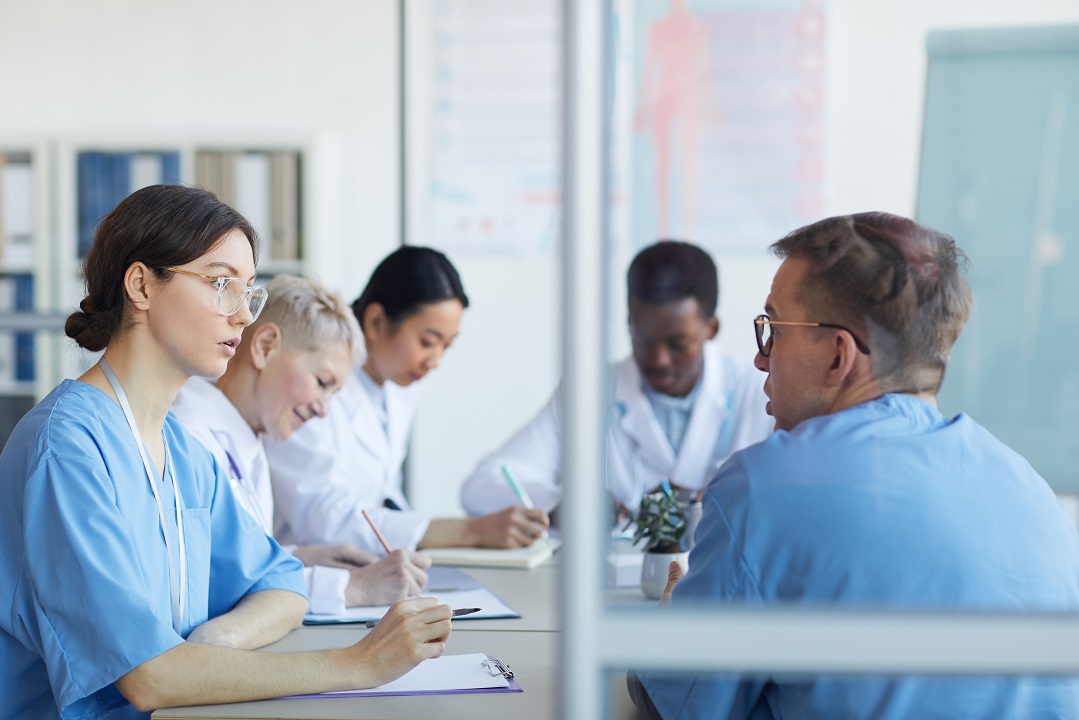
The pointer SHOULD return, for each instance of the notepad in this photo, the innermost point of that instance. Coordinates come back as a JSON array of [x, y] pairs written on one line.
[[529, 557], [447, 675]]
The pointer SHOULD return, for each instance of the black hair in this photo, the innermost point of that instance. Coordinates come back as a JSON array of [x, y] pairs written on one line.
[[160, 226], [671, 271], [406, 280]]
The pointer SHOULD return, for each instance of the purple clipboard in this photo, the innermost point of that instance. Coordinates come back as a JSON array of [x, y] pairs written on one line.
[[512, 688]]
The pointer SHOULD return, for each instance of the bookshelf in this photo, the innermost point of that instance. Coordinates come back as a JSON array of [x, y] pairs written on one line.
[[24, 276]]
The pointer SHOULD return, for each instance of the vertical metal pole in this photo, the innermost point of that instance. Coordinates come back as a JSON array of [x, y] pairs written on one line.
[[402, 180], [584, 295], [402, 120]]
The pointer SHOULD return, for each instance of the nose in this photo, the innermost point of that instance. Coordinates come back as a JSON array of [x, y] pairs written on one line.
[[242, 317], [319, 406], [760, 362], [435, 358], [660, 357]]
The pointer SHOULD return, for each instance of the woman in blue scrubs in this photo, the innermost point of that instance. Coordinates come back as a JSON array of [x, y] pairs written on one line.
[[134, 579]]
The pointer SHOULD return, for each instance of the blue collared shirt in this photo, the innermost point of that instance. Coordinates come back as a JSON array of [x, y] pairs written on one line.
[[884, 504]]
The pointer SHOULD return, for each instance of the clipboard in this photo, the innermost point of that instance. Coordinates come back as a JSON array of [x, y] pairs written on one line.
[[469, 674]]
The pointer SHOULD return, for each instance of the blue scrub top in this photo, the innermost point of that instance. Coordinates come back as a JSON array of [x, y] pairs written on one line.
[[83, 562], [886, 504]]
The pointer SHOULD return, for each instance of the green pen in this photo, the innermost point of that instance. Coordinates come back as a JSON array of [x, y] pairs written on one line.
[[520, 492]]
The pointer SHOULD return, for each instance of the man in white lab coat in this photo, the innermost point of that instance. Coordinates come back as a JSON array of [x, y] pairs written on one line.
[[681, 404]]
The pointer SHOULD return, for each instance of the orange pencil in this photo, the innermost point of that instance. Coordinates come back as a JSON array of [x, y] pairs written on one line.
[[377, 533]]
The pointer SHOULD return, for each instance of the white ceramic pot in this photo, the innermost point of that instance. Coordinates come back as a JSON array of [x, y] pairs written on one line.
[[654, 571]]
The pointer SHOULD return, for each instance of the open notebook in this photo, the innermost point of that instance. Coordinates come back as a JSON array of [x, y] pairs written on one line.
[[447, 675], [536, 554]]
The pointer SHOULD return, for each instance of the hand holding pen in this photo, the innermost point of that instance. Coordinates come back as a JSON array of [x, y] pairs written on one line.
[[522, 495], [456, 613]]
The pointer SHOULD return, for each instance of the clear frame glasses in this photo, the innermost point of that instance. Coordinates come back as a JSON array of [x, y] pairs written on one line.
[[762, 325], [232, 293]]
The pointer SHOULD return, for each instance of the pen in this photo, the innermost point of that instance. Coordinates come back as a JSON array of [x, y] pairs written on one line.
[[456, 613], [374, 527], [517, 489], [520, 492]]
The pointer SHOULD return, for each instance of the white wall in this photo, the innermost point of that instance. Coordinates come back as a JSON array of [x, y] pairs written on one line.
[[322, 72], [325, 71]]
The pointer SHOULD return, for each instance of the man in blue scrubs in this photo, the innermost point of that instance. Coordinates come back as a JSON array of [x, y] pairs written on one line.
[[866, 495]]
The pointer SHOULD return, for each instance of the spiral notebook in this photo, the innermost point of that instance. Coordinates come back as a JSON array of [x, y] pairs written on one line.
[[447, 675]]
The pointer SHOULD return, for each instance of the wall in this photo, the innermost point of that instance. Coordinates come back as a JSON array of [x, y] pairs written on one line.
[[321, 72]]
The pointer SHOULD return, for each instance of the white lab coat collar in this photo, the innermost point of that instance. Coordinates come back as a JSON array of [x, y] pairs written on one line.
[[389, 445], [225, 422], [709, 411], [207, 413]]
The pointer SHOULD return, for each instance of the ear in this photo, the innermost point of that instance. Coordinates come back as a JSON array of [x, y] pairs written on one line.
[[265, 342], [713, 327], [375, 323], [845, 359], [138, 279]]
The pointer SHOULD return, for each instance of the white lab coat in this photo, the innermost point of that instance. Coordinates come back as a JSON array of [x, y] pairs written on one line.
[[214, 421], [728, 415], [334, 467]]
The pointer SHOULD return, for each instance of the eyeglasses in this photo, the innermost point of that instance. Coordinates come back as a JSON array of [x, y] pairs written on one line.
[[232, 293], [762, 325]]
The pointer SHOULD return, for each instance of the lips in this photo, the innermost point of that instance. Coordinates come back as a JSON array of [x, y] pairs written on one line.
[[230, 345], [659, 379]]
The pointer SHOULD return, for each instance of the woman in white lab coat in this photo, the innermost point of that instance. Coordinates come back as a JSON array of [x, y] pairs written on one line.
[[334, 468], [288, 364], [681, 405]]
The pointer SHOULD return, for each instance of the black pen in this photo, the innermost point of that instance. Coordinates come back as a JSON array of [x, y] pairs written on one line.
[[456, 613]]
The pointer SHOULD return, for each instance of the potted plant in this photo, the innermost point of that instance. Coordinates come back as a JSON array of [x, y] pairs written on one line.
[[661, 526]]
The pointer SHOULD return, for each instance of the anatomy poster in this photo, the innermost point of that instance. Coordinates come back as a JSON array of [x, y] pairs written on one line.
[[726, 105]]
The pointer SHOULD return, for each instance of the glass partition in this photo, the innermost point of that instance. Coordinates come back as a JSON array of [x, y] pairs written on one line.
[[731, 157]]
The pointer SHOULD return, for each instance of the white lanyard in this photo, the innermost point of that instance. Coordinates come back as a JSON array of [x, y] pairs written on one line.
[[178, 590]]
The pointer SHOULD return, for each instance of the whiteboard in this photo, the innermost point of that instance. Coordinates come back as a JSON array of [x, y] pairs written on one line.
[[1000, 173]]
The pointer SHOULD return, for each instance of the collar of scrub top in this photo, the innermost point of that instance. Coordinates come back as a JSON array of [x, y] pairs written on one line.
[[177, 585]]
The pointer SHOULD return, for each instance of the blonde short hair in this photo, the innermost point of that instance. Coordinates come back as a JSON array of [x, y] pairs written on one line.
[[309, 315]]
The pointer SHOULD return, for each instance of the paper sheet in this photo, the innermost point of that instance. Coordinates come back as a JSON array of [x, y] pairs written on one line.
[[449, 674], [492, 607]]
